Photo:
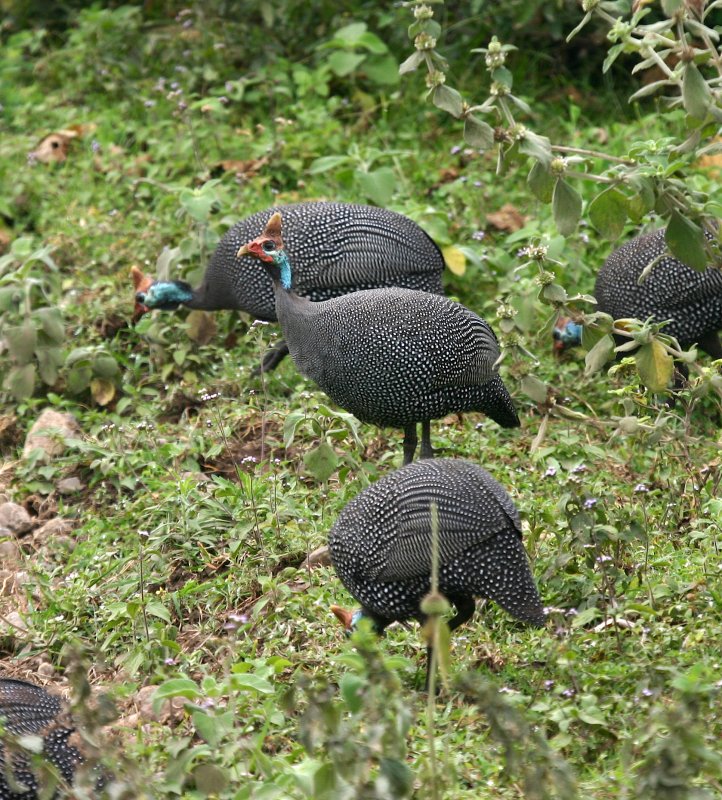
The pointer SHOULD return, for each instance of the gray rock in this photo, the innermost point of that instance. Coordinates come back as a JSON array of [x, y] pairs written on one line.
[[70, 486], [15, 518], [49, 432], [320, 557]]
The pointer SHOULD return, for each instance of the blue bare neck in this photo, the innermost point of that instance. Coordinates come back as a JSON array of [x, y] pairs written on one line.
[[285, 267]]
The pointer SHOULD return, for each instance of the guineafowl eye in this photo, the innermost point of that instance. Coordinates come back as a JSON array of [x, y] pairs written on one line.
[[268, 246]]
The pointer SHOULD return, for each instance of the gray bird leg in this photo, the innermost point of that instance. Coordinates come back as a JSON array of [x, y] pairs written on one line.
[[272, 358], [426, 449], [410, 442]]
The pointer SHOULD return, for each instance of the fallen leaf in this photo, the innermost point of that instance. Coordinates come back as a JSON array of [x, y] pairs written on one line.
[[507, 218], [103, 391], [455, 259], [53, 148], [201, 326]]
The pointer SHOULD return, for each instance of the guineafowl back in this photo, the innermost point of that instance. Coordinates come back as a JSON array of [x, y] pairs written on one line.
[[691, 300], [335, 248], [381, 544], [29, 709], [396, 356]]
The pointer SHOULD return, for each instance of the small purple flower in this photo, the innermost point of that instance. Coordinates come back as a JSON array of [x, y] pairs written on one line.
[[551, 472], [230, 86], [571, 612], [478, 184], [223, 100], [640, 487], [182, 106], [584, 237], [241, 619], [169, 662], [463, 179], [208, 703], [579, 468], [249, 460], [590, 502], [568, 693], [144, 534], [647, 692], [188, 23], [478, 235], [548, 684], [455, 149], [95, 146], [603, 559], [175, 85], [149, 103], [32, 159]]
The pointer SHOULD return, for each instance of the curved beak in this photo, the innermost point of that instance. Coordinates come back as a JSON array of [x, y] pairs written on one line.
[[141, 284], [344, 616], [243, 251]]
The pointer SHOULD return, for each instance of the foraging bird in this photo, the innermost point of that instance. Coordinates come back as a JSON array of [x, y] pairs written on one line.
[[336, 248], [392, 357], [691, 300], [27, 709], [381, 546]]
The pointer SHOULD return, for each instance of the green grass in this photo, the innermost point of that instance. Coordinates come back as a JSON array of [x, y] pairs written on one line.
[[185, 560]]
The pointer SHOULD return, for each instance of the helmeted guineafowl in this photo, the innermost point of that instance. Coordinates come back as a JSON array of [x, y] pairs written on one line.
[[336, 248], [29, 709], [691, 300], [380, 545], [392, 357]]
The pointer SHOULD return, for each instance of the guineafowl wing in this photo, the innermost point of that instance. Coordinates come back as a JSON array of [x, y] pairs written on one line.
[[473, 508], [26, 708]]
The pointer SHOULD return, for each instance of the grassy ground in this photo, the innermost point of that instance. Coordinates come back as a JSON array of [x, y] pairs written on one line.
[[184, 566]]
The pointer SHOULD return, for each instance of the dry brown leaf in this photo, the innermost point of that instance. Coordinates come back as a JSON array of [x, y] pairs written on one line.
[[244, 169], [201, 326], [507, 218]]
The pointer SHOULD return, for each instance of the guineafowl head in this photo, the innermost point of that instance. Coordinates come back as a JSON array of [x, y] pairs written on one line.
[[567, 333], [269, 249], [350, 619], [165, 295]]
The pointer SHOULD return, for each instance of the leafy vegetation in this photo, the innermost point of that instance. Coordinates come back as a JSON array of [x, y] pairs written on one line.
[[202, 488]]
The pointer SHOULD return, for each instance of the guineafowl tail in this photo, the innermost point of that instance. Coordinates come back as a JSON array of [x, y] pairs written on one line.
[[495, 401]]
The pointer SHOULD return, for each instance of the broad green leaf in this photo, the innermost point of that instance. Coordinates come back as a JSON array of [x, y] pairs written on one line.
[[455, 259], [247, 680], [538, 147], [79, 379], [598, 356], [567, 207], [447, 99], [382, 69], [541, 182], [105, 366], [534, 388], [591, 719], [554, 293], [503, 76], [352, 691], [155, 608], [210, 779], [372, 43], [608, 213], [206, 727], [654, 365], [289, 427], [378, 185], [21, 341], [176, 687], [50, 359], [326, 163], [9, 297], [321, 462], [586, 616], [20, 381], [478, 133], [411, 63], [686, 241], [197, 203], [343, 63], [51, 322], [350, 34], [399, 776], [695, 92]]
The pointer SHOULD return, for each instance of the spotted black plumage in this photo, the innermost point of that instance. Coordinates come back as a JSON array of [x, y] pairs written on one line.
[[392, 357], [336, 248], [381, 544], [29, 709], [672, 291]]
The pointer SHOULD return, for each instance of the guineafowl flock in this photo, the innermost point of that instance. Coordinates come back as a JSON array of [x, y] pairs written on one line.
[[358, 296]]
